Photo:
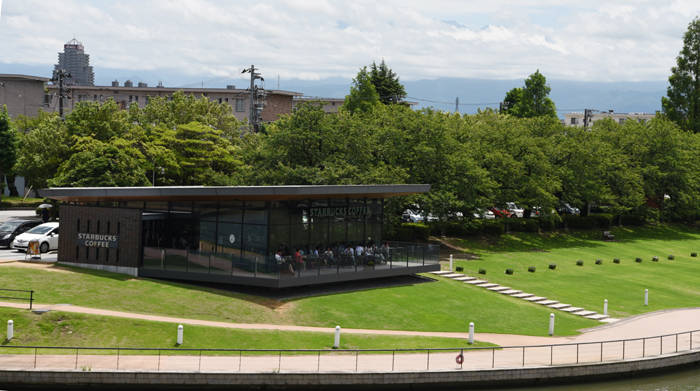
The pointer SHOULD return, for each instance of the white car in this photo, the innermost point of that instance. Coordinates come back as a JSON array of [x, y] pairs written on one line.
[[46, 234], [513, 208], [483, 214]]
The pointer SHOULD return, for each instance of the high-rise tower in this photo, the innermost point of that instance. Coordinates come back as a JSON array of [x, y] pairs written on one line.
[[77, 63]]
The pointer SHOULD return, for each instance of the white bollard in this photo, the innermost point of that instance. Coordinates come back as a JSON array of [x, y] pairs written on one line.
[[605, 307], [10, 330], [471, 333], [450, 262], [551, 324], [179, 334], [336, 345], [646, 297]]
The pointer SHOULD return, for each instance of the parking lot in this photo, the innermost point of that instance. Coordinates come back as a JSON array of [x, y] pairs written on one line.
[[14, 255]]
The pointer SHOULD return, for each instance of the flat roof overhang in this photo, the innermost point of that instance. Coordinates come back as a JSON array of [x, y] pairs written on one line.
[[228, 193]]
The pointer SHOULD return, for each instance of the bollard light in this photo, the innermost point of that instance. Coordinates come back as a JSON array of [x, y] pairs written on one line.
[[646, 297], [471, 333], [450, 262], [605, 307], [10, 330], [179, 334], [336, 344], [551, 324]]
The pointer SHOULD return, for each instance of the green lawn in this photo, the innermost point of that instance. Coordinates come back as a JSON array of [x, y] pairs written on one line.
[[57, 328], [671, 283]]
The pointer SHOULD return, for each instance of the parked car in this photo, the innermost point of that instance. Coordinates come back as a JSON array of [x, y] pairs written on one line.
[[46, 234], [410, 216], [566, 209], [10, 229], [500, 212], [483, 214], [514, 209]]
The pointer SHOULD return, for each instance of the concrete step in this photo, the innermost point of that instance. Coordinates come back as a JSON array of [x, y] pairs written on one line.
[[548, 302], [464, 278], [441, 272], [560, 306], [572, 309], [584, 313], [475, 282], [597, 317], [499, 288], [510, 292], [488, 285], [535, 299], [523, 295], [452, 275]]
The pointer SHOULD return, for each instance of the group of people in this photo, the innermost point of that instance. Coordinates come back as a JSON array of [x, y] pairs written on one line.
[[333, 256]]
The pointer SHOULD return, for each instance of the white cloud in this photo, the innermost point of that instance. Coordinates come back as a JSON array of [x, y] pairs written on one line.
[[507, 39]]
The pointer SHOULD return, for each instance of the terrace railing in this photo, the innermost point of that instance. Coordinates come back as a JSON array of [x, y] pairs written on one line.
[[30, 298], [401, 255], [309, 360]]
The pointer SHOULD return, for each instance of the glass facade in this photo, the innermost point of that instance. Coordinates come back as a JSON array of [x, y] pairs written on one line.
[[244, 237]]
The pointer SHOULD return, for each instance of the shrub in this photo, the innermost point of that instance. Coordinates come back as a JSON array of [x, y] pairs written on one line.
[[634, 219], [482, 271], [495, 228], [580, 222], [671, 257], [598, 261], [693, 254], [509, 271], [549, 222], [552, 266], [616, 260], [639, 260], [522, 225], [603, 220], [459, 269], [401, 234], [370, 264], [579, 263], [418, 231], [531, 269], [655, 259]]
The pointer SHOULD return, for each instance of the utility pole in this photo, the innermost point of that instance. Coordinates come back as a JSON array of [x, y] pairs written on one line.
[[502, 107], [59, 76], [457, 105], [256, 98], [588, 117]]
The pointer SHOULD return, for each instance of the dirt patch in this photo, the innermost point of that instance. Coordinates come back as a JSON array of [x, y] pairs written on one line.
[[37, 265]]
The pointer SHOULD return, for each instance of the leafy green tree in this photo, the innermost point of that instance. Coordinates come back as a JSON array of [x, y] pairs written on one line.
[[43, 147], [100, 121], [363, 94], [682, 103], [8, 151], [101, 165], [387, 84], [513, 97], [534, 99]]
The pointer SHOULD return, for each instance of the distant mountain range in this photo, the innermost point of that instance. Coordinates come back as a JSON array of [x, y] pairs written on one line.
[[624, 97]]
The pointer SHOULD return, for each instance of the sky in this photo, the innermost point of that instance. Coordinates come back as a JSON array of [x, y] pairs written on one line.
[[622, 40]]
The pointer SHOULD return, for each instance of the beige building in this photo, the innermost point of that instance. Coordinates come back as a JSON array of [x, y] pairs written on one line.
[[576, 118], [22, 94], [331, 105], [276, 102]]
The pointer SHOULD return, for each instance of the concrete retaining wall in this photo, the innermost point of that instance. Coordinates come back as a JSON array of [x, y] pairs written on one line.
[[462, 379]]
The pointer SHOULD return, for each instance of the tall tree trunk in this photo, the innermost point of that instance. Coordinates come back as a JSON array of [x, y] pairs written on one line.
[[11, 185], [2, 184]]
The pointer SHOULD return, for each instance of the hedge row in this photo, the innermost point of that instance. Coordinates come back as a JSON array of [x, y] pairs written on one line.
[[497, 227]]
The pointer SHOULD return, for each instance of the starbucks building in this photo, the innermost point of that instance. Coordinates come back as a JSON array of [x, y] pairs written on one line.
[[269, 236]]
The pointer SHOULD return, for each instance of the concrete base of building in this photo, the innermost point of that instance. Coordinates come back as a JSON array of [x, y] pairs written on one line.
[[132, 271]]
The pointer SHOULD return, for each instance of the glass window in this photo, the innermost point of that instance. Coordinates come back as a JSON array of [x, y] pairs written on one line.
[[375, 207], [206, 211], [280, 212], [229, 238], [255, 213], [231, 212], [181, 206], [157, 206]]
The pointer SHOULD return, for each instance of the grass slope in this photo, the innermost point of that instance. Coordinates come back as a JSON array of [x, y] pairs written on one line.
[[68, 329], [671, 283]]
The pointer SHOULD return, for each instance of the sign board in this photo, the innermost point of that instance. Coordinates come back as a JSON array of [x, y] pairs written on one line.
[[33, 248], [352, 211], [98, 240]]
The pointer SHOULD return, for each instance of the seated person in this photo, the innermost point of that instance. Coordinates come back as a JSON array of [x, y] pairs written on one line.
[[369, 255], [298, 259], [328, 256], [349, 255], [283, 264]]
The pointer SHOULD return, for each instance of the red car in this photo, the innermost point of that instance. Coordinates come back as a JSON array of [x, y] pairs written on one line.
[[500, 213]]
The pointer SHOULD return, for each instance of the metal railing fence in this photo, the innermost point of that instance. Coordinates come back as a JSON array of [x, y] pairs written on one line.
[[31, 296], [316, 360]]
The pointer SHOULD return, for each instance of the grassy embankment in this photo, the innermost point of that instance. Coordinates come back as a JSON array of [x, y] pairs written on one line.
[[79, 330], [671, 283]]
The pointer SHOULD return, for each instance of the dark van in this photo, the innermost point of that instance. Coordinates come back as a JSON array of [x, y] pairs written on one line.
[[12, 228]]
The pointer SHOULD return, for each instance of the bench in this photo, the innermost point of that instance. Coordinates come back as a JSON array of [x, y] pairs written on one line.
[[608, 236]]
